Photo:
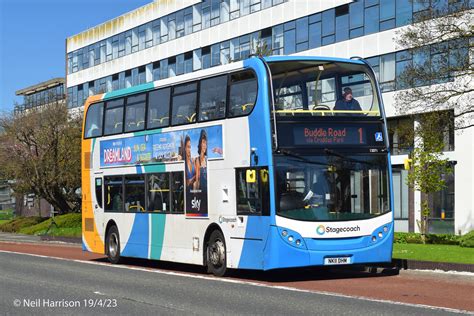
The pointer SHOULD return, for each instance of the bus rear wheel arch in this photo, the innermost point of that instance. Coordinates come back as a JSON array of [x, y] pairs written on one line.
[[215, 253], [112, 244]]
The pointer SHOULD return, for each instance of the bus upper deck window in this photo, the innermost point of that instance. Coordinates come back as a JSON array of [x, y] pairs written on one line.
[[243, 93], [94, 120], [135, 113], [212, 98], [159, 108], [113, 117], [184, 104]]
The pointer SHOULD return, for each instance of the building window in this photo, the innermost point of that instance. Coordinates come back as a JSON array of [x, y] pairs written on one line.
[[400, 193], [401, 135], [441, 204]]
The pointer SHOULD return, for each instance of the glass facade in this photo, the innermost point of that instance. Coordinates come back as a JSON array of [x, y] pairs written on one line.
[[334, 25], [172, 26], [43, 97]]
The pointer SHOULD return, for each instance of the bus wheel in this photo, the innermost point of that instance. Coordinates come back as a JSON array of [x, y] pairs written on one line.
[[112, 245], [216, 254]]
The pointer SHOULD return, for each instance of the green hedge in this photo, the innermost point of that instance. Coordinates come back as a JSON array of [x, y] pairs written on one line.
[[18, 223], [467, 240], [436, 239]]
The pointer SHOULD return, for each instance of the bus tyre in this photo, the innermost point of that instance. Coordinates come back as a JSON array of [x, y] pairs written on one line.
[[112, 245], [216, 255]]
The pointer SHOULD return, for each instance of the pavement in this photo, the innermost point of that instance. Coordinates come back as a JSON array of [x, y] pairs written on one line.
[[48, 264], [44, 286]]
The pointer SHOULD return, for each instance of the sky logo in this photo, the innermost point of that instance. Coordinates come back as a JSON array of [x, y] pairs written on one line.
[[378, 137], [320, 230]]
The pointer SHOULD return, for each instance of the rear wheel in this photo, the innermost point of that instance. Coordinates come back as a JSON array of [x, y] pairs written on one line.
[[216, 255], [112, 245]]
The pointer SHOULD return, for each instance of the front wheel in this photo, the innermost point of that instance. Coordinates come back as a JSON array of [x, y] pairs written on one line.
[[112, 245], [216, 256]]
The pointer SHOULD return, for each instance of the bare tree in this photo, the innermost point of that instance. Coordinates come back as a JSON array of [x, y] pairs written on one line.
[[440, 75], [41, 150]]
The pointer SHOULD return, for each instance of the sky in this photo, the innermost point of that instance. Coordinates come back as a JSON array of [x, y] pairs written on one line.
[[33, 38]]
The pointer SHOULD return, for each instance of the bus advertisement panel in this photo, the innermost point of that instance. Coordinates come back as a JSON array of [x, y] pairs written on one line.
[[193, 147]]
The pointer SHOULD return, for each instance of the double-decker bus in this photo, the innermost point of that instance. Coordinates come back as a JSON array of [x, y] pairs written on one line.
[[266, 163]]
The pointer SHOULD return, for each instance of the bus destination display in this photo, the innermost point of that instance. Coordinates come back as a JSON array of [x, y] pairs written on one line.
[[325, 135], [330, 134]]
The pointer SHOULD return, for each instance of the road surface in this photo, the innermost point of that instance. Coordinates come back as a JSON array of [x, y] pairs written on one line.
[[40, 284]]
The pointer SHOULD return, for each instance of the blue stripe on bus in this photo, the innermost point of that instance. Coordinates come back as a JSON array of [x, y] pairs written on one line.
[[127, 91], [260, 138], [137, 244], [158, 222]]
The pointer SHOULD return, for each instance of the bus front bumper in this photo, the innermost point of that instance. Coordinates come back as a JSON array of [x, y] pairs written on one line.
[[280, 252]]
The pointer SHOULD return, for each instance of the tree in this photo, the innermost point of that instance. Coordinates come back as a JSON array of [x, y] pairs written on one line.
[[41, 150], [440, 75], [428, 164]]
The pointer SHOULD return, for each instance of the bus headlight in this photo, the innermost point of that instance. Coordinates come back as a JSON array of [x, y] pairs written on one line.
[[374, 239], [292, 238], [380, 235], [385, 229]]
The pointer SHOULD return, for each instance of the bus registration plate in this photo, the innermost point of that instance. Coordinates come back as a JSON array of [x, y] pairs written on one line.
[[337, 260]]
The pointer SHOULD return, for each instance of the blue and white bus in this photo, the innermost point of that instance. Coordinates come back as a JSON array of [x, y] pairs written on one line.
[[266, 163]]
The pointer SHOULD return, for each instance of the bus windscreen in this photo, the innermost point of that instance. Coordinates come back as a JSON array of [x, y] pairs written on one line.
[[321, 88]]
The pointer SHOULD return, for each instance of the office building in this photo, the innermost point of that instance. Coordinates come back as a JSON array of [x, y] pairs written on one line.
[[171, 38]]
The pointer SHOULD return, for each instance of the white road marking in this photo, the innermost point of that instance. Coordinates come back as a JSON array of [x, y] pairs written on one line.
[[210, 278]]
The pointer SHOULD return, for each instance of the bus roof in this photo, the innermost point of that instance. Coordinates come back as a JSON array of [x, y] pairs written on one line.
[[312, 58]]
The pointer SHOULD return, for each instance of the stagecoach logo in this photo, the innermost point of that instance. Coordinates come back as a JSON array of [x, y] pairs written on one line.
[[320, 230], [223, 219]]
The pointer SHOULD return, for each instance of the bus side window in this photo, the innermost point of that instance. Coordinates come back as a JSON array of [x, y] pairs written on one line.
[[177, 192], [243, 93], [184, 104], [113, 194], [113, 117], [253, 197], [98, 191], [159, 108], [135, 113], [158, 192], [212, 98], [135, 193], [94, 117]]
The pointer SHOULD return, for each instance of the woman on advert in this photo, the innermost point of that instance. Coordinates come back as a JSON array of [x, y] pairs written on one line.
[[201, 162]]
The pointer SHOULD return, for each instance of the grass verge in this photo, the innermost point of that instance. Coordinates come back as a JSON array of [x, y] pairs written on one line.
[[436, 253], [68, 225]]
